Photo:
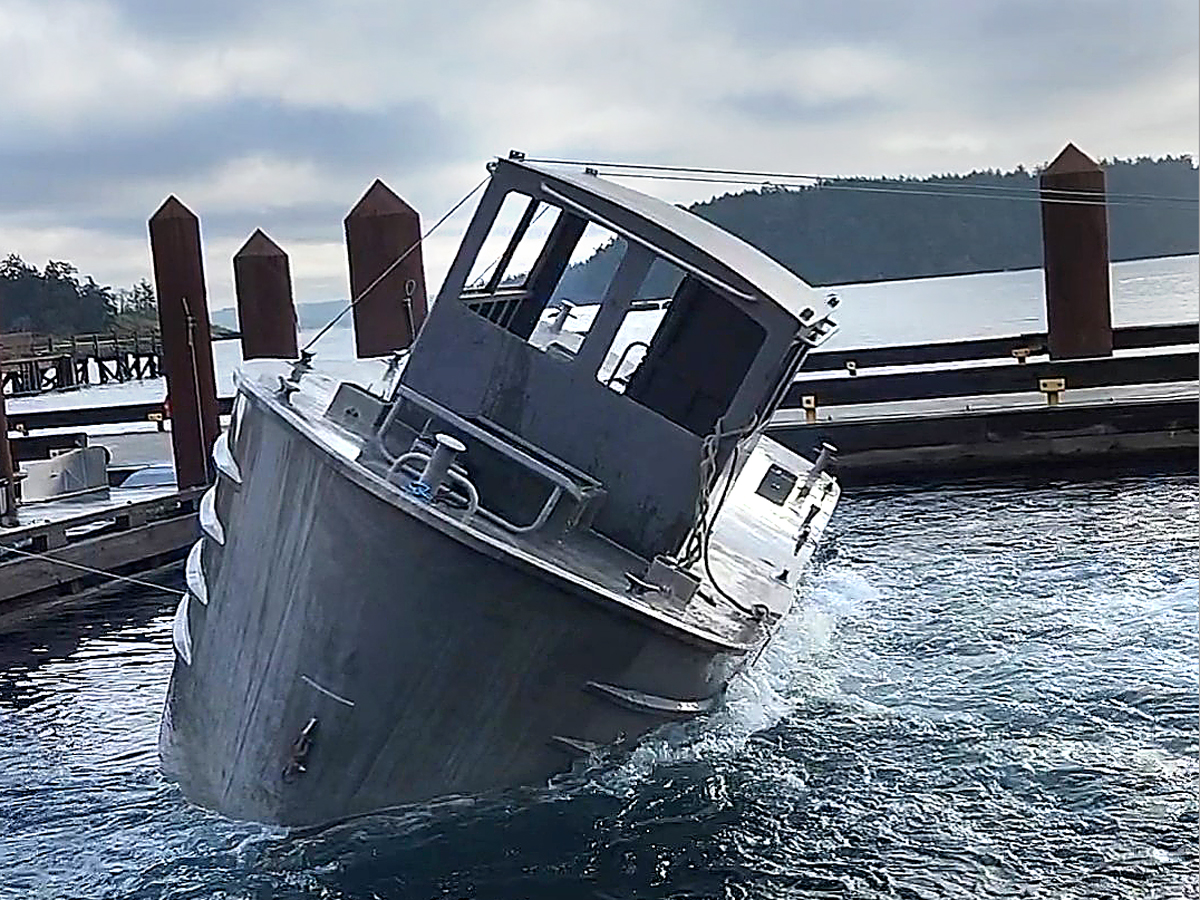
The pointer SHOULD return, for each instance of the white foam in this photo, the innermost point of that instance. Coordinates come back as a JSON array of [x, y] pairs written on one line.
[[795, 665]]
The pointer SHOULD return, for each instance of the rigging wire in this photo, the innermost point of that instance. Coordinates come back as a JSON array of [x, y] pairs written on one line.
[[399, 259], [940, 188], [1083, 199]]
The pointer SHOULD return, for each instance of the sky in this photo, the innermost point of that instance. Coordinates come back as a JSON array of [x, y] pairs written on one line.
[[279, 113]]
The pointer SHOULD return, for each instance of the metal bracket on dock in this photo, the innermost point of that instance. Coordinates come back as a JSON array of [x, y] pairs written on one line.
[[809, 404], [1022, 354], [1052, 388]]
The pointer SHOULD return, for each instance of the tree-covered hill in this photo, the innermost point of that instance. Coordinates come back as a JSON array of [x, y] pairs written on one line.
[[850, 230], [55, 300]]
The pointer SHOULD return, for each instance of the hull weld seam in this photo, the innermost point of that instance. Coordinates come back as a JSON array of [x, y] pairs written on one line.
[[326, 691], [575, 746]]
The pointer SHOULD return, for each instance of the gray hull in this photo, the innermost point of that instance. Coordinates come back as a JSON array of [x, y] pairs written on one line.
[[355, 653]]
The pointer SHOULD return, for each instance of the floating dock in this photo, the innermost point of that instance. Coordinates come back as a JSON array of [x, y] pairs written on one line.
[[65, 549], [998, 407], [146, 507]]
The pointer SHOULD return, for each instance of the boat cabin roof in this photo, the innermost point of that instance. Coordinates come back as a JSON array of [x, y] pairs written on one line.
[[642, 434], [723, 257]]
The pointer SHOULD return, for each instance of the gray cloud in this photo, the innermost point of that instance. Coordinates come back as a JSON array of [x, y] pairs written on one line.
[[200, 21], [70, 169], [779, 105], [169, 97], [1011, 52]]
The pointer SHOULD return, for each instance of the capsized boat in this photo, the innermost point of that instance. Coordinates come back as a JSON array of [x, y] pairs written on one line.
[[463, 569]]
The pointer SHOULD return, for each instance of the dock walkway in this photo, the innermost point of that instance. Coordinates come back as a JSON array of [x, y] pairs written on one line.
[[1000, 405]]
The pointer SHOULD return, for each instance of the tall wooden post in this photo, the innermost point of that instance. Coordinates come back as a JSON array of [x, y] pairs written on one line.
[[187, 343], [1075, 257], [379, 230], [262, 280], [8, 493]]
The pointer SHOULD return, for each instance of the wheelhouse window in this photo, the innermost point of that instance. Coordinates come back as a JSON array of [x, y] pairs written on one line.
[[531, 249], [697, 359], [684, 356], [682, 350], [517, 237]]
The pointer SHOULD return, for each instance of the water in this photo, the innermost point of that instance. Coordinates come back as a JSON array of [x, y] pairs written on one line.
[[1144, 292], [983, 692]]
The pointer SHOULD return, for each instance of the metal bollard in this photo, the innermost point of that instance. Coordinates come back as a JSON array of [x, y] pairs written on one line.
[[445, 450], [559, 322], [823, 459]]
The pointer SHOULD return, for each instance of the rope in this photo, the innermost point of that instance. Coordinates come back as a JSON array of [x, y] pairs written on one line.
[[399, 259], [697, 547], [1084, 198], [726, 596], [945, 189], [191, 330], [72, 565], [709, 449]]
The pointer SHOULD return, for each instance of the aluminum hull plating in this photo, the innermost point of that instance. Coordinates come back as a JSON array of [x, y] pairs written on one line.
[[422, 660]]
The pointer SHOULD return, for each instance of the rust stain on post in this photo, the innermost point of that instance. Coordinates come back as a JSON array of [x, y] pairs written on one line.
[[1075, 257], [379, 230], [187, 344], [262, 279]]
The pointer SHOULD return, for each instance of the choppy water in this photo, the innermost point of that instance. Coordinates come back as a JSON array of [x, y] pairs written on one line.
[[984, 692]]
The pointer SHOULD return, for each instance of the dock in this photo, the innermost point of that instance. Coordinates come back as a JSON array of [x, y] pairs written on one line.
[[66, 550], [1078, 398], [33, 364], [999, 406], [76, 520]]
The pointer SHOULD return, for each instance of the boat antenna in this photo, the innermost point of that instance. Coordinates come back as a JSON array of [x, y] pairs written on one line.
[[399, 259]]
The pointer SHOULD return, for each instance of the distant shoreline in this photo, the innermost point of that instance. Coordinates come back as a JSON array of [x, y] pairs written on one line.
[[1111, 262], [307, 303]]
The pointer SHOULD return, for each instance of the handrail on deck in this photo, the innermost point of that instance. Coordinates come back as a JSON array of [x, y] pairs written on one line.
[[503, 444]]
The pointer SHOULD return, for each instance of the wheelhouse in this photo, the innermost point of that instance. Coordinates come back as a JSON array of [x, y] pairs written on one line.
[[640, 421]]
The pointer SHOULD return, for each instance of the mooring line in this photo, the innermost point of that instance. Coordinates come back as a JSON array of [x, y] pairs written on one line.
[[94, 571]]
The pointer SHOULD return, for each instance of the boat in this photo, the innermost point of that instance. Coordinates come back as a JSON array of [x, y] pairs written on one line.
[[519, 543]]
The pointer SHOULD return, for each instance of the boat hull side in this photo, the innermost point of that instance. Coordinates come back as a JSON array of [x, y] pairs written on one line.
[[430, 666]]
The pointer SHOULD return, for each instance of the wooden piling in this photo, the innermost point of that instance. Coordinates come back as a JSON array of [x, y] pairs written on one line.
[[380, 229], [1075, 257], [262, 279], [8, 495], [187, 344]]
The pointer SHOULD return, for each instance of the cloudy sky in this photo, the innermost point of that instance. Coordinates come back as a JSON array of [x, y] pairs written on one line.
[[279, 113]]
